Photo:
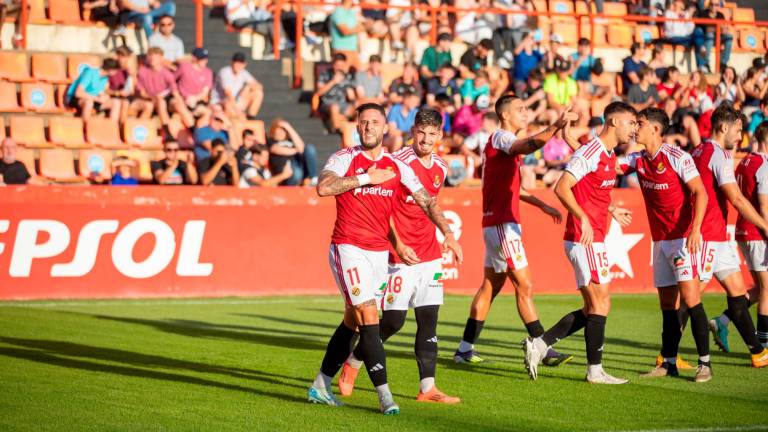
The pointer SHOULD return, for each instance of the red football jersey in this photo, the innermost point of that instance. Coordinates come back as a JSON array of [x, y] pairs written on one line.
[[595, 170], [662, 179], [413, 226], [362, 214], [716, 169], [752, 176], [501, 180]]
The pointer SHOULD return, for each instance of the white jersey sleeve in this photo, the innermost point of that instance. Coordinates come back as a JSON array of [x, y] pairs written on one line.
[[585, 160], [721, 165], [339, 162], [628, 163], [408, 177], [761, 178], [503, 140], [684, 166]]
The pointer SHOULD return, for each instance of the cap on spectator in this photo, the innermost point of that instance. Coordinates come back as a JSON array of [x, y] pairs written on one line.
[[483, 101], [200, 53], [556, 38], [239, 57], [444, 37], [339, 57], [407, 90]]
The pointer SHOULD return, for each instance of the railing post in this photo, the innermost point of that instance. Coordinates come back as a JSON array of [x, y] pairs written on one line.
[[276, 29], [24, 18], [198, 23], [591, 33], [718, 34], [297, 63], [433, 30]]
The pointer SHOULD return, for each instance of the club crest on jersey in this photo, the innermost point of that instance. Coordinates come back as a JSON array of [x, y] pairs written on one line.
[[678, 261], [518, 257], [708, 268], [390, 299], [355, 291], [660, 168], [437, 181], [604, 272]]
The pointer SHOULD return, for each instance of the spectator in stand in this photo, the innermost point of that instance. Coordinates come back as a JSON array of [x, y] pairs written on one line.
[[469, 118], [759, 116], [172, 170], [526, 59], [195, 80], [369, 81], [644, 94], [510, 31], [105, 11], [472, 88], [583, 62], [474, 59], [375, 20], [535, 99], [552, 54], [755, 88], [670, 91], [286, 147], [204, 136], [12, 171], [344, 24], [472, 27], [444, 83], [122, 172], [221, 168], [474, 144], [336, 90], [704, 38], [679, 32], [632, 66], [237, 90], [699, 94], [172, 45], [728, 90], [144, 13], [434, 57], [254, 165], [156, 90], [657, 62], [89, 91], [121, 83], [12, 9], [256, 15], [555, 155], [400, 119], [562, 91], [409, 81]]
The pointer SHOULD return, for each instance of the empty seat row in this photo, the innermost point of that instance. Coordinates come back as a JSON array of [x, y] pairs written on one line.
[[47, 67]]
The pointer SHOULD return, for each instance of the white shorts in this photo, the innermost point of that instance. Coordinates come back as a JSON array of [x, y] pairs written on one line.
[[504, 247], [719, 258], [756, 254], [590, 263], [413, 286], [672, 263], [360, 274]]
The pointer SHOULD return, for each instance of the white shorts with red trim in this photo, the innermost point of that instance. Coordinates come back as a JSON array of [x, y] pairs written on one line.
[[720, 258], [360, 274], [756, 254], [504, 247], [672, 263], [590, 263], [412, 286]]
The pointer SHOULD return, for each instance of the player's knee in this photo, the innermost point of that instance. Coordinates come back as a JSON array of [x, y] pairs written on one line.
[[524, 289], [426, 317], [391, 322]]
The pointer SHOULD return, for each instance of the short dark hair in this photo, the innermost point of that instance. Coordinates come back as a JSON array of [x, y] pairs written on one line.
[[618, 107], [668, 73], [502, 103], [444, 36], [123, 50], [764, 100], [486, 43], [636, 46], [218, 142], [340, 57], [166, 16], [247, 133], [238, 57], [442, 97], [644, 72], [428, 117], [375, 58], [371, 106], [761, 133], [655, 115], [724, 114], [110, 64], [583, 41], [536, 74]]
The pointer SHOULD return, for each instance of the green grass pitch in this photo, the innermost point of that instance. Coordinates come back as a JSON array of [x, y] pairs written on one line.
[[245, 364]]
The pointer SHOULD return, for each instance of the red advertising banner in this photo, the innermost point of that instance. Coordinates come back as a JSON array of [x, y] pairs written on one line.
[[121, 242]]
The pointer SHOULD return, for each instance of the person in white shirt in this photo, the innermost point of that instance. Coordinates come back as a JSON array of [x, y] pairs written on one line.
[[172, 45]]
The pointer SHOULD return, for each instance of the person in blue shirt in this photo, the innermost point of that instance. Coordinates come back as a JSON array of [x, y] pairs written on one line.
[[401, 118], [526, 59], [582, 62], [205, 135], [632, 65], [89, 91], [122, 176], [759, 116]]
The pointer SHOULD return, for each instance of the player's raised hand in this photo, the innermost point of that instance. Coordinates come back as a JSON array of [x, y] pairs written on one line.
[[693, 243], [450, 243], [566, 117], [623, 216], [379, 176], [407, 254], [557, 217], [586, 232]]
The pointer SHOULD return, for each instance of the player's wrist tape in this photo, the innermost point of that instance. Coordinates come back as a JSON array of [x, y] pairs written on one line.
[[363, 179]]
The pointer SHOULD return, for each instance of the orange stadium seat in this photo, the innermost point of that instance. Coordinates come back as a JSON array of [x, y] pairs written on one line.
[[93, 161], [29, 131], [621, 35], [27, 157], [600, 32], [744, 14], [582, 8], [615, 9], [14, 66], [75, 63], [67, 132], [104, 133], [59, 166], [37, 11], [64, 11], [2, 128], [257, 126], [752, 39], [143, 171], [561, 6], [39, 97], [541, 6], [568, 30], [50, 68], [141, 133], [646, 33], [9, 100]]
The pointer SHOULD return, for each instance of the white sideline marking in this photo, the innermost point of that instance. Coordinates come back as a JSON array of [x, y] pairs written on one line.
[[179, 302], [712, 429]]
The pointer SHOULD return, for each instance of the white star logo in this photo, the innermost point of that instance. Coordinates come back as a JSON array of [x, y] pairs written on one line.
[[618, 246]]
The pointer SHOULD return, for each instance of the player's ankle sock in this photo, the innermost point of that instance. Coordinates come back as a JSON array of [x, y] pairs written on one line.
[[535, 329], [594, 369], [426, 384], [373, 354], [568, 324], [594, 335], [354, 361], [742, 320], [670, 333], [540, 344], [762, 329], [425, 346], [338, 350], [384, 393], [671, 360], [705, 360], [725, 318], [700, 329], [471, 333], [682, 317], [322, 381]]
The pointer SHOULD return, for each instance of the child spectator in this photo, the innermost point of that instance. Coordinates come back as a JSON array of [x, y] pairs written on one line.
[[472, 88], [122, 168]]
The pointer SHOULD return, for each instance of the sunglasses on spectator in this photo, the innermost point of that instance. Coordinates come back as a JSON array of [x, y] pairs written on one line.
[[166, 24], [171, 150]]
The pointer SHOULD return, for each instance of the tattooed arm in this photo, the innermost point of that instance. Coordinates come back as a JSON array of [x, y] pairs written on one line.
[[330, 184], [435, 213]]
